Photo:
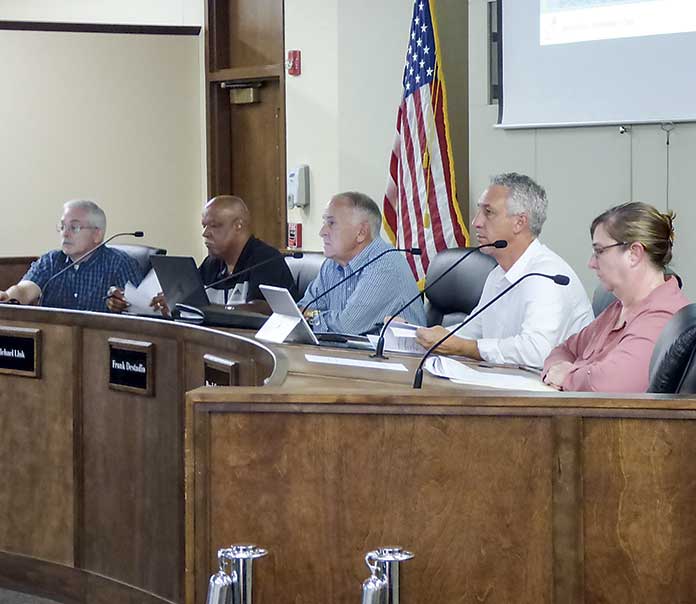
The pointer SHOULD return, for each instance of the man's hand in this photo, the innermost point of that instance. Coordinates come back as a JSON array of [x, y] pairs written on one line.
[[557, 374], [160, 304], [115, 300], [427, 336]]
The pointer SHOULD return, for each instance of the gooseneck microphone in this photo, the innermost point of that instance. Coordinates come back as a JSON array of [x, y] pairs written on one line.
[[83, 258], [253, 267], [409, 250], [379, 349], [418, 376]]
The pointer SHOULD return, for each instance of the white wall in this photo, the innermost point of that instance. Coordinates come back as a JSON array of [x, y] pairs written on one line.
[[109, 117], [584, 170], [141, 12], [341, 112]]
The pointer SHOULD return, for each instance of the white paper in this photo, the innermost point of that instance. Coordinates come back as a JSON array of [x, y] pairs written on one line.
[[462, 374], [400, 337], [277, 328], [314, 358], [139, 298]]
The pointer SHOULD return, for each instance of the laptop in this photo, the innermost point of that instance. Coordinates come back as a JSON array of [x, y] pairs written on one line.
[[185, 294], [286, 313]]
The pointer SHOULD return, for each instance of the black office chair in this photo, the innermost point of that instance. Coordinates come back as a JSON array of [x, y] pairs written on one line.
[[141, 254], [673, 361], [304, 270], [453, 298], [601, 298]]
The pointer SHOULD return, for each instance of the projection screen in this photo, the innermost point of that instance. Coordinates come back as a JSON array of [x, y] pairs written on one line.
[[592, 62]]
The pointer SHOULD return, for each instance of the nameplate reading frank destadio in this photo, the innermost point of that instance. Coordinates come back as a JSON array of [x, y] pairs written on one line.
[[131, 366], [20, 351]]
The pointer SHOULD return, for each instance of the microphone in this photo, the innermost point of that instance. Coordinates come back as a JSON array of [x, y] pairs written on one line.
[[255, 266], [379, 350], [418, 376], [82, 258], [409, 250]]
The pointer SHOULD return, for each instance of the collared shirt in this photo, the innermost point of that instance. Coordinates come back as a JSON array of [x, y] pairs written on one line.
[[84, 286], [612, 357], [274, 272], [360, 304], [535, 316]]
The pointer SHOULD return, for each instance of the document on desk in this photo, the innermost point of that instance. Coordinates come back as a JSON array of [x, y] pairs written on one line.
[[462, 374], [139, 298], [315, 358], [400, 337]]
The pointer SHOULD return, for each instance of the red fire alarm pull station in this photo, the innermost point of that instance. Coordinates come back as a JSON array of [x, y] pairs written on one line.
[[294, 62]]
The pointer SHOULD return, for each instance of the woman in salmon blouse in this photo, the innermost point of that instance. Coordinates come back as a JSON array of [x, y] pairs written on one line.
[[631, 246]]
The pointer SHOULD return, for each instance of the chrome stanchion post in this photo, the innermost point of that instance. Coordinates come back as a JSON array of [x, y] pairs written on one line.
[[221, 585], [386, 561], [242, 558], [374, 589]]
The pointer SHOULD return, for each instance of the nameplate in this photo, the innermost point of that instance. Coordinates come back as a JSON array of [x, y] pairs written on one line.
[[220, 372], [20, 351], [131, 366]]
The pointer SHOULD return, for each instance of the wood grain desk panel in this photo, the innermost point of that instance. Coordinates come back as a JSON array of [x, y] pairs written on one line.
[[36, 452], [93, 477], [551, 498]]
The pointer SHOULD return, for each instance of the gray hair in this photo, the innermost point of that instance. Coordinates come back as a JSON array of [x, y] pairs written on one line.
[[95, 215], [369, 208], [525, 197]]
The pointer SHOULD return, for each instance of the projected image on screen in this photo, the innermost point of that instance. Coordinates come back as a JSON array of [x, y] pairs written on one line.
[[567, 21]]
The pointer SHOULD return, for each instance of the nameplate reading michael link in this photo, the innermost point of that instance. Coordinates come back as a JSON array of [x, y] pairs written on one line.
[[20, 351], [131, 367]]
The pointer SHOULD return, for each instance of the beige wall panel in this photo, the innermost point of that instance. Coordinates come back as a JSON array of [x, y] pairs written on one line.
[[114, 118], [581, 171], [682, 200], [152, 12]]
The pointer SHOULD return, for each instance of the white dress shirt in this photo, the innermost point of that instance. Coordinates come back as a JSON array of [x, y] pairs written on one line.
[[535, 316]]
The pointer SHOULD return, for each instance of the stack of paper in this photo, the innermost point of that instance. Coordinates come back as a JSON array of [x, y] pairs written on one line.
[[139, 298], [462, 374]]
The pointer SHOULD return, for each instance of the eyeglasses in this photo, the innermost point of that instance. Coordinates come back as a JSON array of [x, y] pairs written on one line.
[[73, 228], [598, 250]]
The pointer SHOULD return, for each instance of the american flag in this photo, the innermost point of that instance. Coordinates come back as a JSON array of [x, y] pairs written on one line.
[[420, 205]]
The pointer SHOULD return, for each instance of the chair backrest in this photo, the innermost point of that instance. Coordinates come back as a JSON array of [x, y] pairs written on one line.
[[450, 300], [601, 298], [673, 363], [304, 270], [141, 254]]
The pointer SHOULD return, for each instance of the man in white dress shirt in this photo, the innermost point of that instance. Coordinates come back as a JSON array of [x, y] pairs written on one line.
[[534, 317]]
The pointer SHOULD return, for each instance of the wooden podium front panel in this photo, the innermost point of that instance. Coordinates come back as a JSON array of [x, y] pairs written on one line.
[[132, 461], [470, 496], [639, 511], [36, 451]]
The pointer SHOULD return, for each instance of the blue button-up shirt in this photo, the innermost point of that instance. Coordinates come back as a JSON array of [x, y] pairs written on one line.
[[83, 287], [360, 304]]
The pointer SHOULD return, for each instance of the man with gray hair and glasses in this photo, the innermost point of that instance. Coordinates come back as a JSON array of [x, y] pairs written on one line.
[[350, 233], [526, 324], [82, 228]]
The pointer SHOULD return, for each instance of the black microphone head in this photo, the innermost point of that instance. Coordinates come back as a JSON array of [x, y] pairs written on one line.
[[138, 234], [416, 251], [297, 255], [500, 244], [561, 279]]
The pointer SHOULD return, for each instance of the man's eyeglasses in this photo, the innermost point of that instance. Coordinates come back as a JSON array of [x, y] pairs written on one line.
[[73, 228], [598, 250]]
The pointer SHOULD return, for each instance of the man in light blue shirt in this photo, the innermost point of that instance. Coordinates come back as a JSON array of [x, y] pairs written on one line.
[[350, 233]]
